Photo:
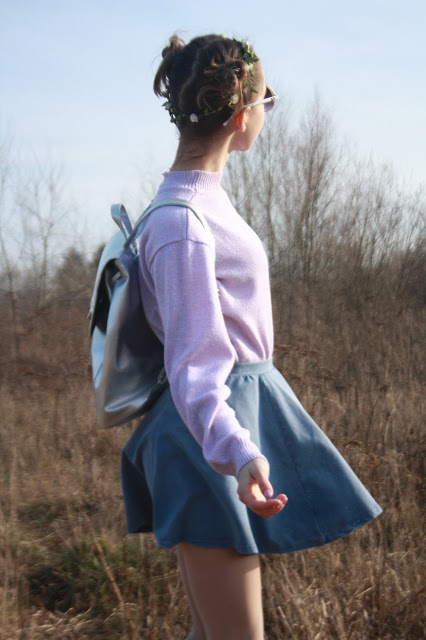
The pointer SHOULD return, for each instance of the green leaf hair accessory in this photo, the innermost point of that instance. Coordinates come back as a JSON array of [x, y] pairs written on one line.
[[248, 55], [177, 116]]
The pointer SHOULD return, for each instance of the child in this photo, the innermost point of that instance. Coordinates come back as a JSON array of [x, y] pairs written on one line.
[[200, 469]]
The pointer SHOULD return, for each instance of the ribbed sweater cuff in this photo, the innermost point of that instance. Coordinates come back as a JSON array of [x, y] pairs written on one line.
[[243, 452]]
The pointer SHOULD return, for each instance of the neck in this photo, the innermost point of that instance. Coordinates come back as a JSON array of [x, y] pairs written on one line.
[[209, 154]]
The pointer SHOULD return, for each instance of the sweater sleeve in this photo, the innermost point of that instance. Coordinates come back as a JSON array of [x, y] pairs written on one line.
[[198, 353]]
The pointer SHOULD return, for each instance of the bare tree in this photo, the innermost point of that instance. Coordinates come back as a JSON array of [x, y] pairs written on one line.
[[379, 223], [45, 216], [35, 228], [73, 279], [9, 259], [338, 230], [240, 183]]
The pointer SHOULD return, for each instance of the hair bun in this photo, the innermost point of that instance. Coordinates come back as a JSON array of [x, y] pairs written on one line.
[[175, 45], [229, 77], [206, 80], [161, 81]]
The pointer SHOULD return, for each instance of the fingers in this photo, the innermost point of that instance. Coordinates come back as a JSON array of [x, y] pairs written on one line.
[[266, 509], [261, 506], [266, 488], [260, 474], [254, 489]]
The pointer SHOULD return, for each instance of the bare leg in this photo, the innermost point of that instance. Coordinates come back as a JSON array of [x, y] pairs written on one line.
[[197, 632], [225, 589]]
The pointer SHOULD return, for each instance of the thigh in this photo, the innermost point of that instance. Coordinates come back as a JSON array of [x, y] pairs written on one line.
[[226, 590], [197, 632]]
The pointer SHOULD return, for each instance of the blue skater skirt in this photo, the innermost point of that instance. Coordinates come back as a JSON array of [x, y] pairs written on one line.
[[170, 489]]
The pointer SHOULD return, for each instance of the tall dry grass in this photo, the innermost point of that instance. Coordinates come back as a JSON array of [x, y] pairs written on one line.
[[348, 269], [69, 570]]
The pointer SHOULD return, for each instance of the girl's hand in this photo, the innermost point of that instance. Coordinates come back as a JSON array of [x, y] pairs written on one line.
[[255, 490]]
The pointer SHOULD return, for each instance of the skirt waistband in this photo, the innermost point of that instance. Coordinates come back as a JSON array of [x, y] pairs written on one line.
[[252, 368]]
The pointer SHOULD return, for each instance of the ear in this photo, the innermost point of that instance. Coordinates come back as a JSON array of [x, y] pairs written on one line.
[[240, 120]]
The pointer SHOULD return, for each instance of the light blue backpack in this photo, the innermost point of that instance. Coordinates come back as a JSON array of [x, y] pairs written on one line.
[[126, 356]]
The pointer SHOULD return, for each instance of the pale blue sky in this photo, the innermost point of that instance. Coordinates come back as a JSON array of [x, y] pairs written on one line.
[[76, 78]]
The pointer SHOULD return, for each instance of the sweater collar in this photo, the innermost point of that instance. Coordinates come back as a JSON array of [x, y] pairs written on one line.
[[196, 180]]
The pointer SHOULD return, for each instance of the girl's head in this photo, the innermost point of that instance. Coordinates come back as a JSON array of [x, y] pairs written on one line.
[[207, 81]]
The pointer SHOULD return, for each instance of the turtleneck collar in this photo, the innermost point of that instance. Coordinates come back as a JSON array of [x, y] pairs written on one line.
[[197, 180]]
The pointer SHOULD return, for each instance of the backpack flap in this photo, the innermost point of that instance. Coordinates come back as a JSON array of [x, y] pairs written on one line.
[[99, 303]]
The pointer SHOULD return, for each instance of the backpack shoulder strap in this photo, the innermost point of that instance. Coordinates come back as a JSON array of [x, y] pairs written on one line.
[[168, 202], [120, 217]]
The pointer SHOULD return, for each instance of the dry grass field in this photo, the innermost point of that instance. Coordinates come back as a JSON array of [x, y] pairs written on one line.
[[69, 571]]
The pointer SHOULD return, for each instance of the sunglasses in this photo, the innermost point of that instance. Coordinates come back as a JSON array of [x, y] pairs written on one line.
[[267, 101]]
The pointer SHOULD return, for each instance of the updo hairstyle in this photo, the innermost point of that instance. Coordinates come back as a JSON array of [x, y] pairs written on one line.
[[205, 81]]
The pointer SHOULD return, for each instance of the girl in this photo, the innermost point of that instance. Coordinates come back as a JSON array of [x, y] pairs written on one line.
[[200, 469]]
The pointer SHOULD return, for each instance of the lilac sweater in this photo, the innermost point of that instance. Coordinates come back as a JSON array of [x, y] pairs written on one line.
[[208, 316]]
